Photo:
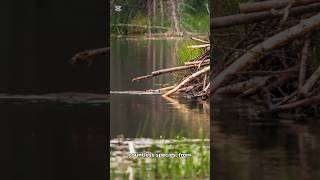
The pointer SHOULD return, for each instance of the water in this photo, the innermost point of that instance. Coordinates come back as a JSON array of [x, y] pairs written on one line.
[[137, 114], [42, 138], [48, 140], [248, 148]]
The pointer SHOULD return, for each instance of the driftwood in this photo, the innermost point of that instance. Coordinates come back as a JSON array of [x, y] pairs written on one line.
[[89, 55], [195, 81], [273, 62], [169, 70], [273, 4], [238, 88], [257, 52], [305, 90], [241, 19], [189, 78], [315, 100]]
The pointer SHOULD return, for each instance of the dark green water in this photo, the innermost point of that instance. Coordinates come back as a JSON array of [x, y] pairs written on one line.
[[150, 116]]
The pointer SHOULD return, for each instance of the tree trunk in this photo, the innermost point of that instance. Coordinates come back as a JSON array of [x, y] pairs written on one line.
[[273, 4], [149, 7], [174, 16], [240, 19], [154, 11], [161, 13]]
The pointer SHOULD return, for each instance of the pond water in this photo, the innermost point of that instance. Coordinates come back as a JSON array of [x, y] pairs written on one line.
[[41, 138], [246, 147], [50, 140], [144, 115]]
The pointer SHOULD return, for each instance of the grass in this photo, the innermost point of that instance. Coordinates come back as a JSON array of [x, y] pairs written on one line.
[[195, 167], [186, 54]]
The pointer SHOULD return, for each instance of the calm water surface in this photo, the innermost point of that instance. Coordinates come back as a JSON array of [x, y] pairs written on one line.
[[150, 116], [250, 148], [50, 140]]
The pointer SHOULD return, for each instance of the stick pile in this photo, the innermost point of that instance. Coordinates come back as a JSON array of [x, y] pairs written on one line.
[[275, 59], [195, 82]]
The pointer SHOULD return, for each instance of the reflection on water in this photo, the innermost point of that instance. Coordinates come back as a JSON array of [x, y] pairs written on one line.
[[145, 115], [250, 148], [152, 116], [135, 57]]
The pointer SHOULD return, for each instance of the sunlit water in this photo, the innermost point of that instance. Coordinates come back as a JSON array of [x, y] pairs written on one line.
[[246, 147]]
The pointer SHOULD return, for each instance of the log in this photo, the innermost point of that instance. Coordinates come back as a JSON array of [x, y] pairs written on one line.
[[206, 88], [197, 62], [307, 87], [303, 63], [200, 40], [241, 19], [165, 88], [273, 4], [253, 90], [168, 70], [88, 55], [265, 73], [276, 41], [206, 69], [238, 88], [199, 46], [311, 101]]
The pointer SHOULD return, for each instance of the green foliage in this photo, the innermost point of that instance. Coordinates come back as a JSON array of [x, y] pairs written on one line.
[[196, 23], [194, 167], [193, 16], [186, 54]]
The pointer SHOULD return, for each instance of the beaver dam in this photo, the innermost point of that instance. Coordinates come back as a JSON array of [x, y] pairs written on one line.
[[274, 56], [194, 81]]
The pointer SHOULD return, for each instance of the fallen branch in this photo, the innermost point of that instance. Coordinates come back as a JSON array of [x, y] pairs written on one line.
[[257, 52], [88, 55], [305, 90], [241, 19], [169, 70], [311, 101], [273, 4], [206, 69]]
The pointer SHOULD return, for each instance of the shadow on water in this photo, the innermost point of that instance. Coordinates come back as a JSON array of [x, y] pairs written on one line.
[[248, 147]]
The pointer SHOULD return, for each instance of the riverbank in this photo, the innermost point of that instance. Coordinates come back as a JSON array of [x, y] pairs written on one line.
[[160, 36]]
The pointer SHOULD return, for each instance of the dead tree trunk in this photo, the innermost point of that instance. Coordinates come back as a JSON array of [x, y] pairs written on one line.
[[174, 16], [161, 13], [149, 7], [273, 4], [240, 19]]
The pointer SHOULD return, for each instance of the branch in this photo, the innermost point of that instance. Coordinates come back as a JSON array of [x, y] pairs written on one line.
[[88, 55]]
